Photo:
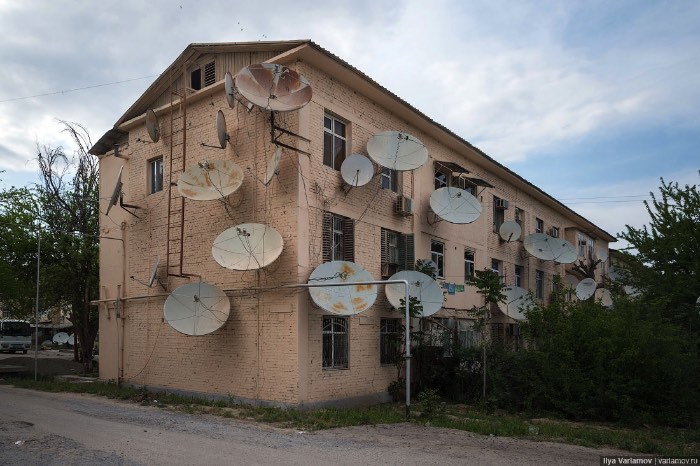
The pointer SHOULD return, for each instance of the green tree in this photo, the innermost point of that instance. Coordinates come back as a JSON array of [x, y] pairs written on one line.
[[663, 263]]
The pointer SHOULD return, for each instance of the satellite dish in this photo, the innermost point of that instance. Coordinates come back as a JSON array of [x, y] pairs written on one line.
[[154, 272], [61, 338], [601, 254], [515, 303], [603, 295], [548, 248], [357, 170], [398, 151], [229, 89], [247, 246], [152, 125], [116, 192], [221, 129], [342, 300], [71, 339], [420, 286], [272, 164], [273, 87], [585, 289], [455, 205], [510, 231], [210, 180], [197, 309]]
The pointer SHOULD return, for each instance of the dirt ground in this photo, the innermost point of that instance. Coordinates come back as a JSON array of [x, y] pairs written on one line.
[[49, 362]]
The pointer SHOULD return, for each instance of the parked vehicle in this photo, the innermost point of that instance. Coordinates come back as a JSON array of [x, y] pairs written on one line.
[[15, 335]]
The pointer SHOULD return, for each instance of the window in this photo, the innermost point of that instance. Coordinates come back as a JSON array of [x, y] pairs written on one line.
[[338, 238], [437, 255], [441, 178], [390, 179], [539, 225], [554, 232], [335, 343], [498, 214], [497, 267], [463, 183], [389, 341], [334, 141], [155, 175], [539, 284], [591, 247], [397, 252], [209, 76], [466, 334], [581, 239], [520, 218], [519, 276], [468, 264]]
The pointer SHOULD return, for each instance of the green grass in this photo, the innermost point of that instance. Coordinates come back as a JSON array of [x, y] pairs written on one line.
[[648, 440]]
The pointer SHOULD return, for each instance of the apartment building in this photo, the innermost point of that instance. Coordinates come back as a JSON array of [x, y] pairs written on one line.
[[276, 346]]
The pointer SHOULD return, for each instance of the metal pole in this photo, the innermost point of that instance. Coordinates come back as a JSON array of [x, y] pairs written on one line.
[[36, 307], [407, 356]]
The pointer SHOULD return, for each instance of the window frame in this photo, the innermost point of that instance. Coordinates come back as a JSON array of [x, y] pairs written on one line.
[[498, 269], [405, 254], [539, 284], [469, 264], [337, 158], [499, 215], [518, 276], [539, 225], [334, 227], [155, 185], [389, 179], [336, 362], [438, 257]]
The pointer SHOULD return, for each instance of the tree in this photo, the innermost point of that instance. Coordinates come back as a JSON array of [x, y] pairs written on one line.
[[69, 198], [665, 268]]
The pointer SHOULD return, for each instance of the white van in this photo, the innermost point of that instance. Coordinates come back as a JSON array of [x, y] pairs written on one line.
[[15, 335]]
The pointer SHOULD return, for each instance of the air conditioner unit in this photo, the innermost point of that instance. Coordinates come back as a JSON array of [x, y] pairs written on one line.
[[501, 204], [554, 232], [404, 205]]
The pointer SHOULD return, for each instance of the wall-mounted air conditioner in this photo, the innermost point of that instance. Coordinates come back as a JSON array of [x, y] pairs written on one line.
[[554, 232], [404, 205], [501, 204]]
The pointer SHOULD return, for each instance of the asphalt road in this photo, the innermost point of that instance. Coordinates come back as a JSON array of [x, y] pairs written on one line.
[[65, 428]]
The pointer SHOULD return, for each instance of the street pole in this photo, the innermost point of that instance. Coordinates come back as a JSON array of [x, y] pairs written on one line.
[[36, 307]]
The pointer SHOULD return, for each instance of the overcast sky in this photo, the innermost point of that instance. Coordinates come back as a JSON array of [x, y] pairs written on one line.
[[592, 101]]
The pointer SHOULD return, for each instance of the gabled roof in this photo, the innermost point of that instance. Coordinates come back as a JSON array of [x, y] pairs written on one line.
[[312, 53]]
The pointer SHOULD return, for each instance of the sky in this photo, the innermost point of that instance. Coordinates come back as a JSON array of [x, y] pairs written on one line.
[[592, 101]]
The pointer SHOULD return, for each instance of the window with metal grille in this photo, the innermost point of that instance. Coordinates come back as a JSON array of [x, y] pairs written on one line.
[[539, 225], [334, 141], [155, 175], [437, 255], [390, 340], [390, 179], [397, 252], [468, 264], [338, 238], [335, 343], [539, 284]]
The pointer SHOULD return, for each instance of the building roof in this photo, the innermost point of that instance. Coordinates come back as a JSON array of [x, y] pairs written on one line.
[[309, 51]]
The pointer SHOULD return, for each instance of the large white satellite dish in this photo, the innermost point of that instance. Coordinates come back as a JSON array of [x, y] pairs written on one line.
[[273, 87], [601, 254], [548, 248], [603, 295], [272, 163], [455, 205], [342, 300], [221, 132], [510, 231], [61, 338], [247, 246], [516, 302], [357, 170], [116, 192], [420, 286], [210, 180], [586, 288], [152, 125], [396, 150], [197, 308]]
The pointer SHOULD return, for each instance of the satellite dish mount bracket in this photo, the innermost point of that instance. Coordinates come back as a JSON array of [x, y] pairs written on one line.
[[274, 138]]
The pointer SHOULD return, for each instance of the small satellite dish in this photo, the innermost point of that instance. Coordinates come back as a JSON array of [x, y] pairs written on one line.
[[515, 303], [71, 339], [420, 286], [455, 205], [585, 289], [221, 129], [396, 150], [61, 338], [601, 254], [603, 295], [152, 125], [197, 309], [273, 87], [272, 164], [247, 246], [229, 89], [342, 300], [548, 248], [153, 278], [510, 231], [116, 192], [357, 170], [207, 181]]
